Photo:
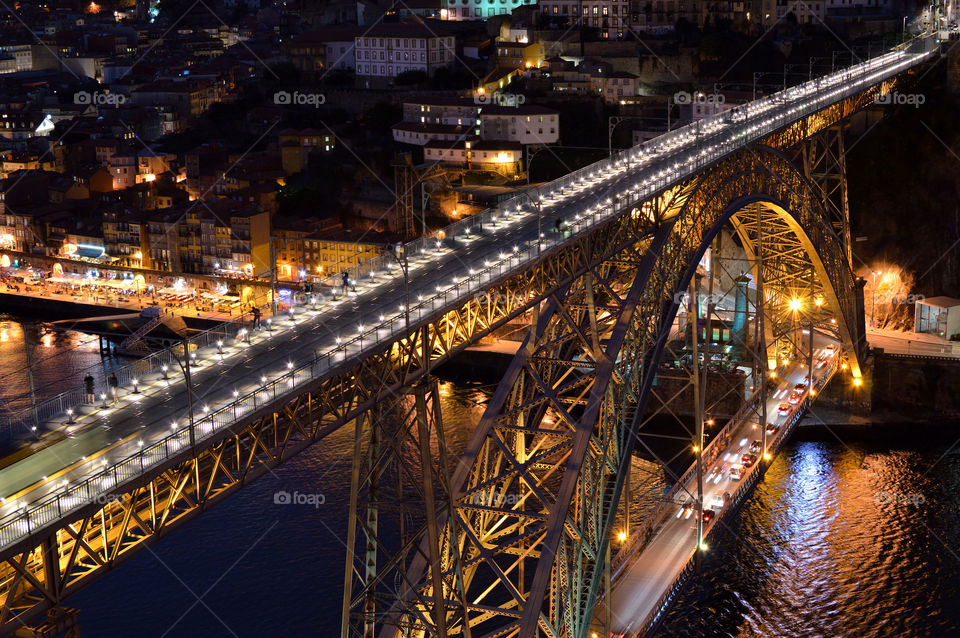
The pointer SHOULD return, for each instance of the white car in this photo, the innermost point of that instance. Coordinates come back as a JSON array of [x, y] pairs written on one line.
[[719, 500]]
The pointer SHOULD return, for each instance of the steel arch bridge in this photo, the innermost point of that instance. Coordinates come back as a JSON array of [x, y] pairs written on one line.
[[533, 498], [515, 535]]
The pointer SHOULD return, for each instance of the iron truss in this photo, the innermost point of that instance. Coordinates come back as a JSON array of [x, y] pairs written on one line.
[[526, 514], [533, 498]]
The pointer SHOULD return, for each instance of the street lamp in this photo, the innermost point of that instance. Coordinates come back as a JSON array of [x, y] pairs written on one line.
[[400, 254]]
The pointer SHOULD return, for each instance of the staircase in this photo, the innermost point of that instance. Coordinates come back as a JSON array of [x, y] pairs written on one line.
[[135, 343]]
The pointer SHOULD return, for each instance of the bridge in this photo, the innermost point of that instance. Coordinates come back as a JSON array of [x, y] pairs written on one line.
[[516, 538]]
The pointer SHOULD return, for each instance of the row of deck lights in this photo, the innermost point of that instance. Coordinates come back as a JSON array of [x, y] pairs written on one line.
[[244, 335]]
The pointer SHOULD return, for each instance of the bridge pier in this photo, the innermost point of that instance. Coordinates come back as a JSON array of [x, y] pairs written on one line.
[[61, 622], [399, 479]]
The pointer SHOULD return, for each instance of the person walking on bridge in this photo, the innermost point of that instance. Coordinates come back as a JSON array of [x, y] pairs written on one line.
[[114, 383], [256, 318], [88, 388]]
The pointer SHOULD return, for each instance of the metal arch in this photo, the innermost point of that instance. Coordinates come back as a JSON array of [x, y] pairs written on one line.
[[799, 206], [564, 531]]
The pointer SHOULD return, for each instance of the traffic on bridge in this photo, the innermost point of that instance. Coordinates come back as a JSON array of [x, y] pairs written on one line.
[[81, 451]]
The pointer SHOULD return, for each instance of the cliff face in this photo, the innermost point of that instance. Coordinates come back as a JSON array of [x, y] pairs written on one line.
[[904, 181]]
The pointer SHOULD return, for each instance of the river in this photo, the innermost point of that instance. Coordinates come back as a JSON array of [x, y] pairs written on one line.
[[848, 535]]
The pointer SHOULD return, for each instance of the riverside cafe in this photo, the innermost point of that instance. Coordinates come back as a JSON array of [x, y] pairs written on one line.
[[122, 284], [219, 299]]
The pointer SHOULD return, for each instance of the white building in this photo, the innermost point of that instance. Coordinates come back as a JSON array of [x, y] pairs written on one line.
[[22, 54], [478, 9], [617, 87], [526, 124], [455, 119], [387, 50]]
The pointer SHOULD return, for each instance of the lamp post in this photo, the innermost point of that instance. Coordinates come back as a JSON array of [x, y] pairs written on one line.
[[185, 367], [400, 251]]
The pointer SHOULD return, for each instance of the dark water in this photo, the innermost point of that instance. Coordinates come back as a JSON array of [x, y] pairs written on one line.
[[851, 536], [57, 356], [856, 534]]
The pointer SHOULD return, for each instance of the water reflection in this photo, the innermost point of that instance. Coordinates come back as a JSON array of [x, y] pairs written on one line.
[[851, 538]]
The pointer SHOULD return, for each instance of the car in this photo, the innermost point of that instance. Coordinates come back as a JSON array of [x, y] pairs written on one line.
[[830, 350], [736, 472], [756, 446], [772, 428], [748, 459], [793, 399], [719, 500], [708, 515], [685, 511], [783, 409], [800, 388]]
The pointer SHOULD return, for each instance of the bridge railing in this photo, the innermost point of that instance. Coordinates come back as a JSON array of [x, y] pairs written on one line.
[[776, 442], [75, 398], [494, 220], [30, 418], [747, 410]]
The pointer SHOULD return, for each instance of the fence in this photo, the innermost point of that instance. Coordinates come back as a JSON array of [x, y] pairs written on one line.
[[776, 109]]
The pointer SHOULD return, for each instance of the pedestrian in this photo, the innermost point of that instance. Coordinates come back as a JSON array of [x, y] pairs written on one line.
[[88, 387], [256, 318], [112, 380], [346, 282]]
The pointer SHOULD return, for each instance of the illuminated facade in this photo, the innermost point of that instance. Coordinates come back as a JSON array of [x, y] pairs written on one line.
[[478, 9]]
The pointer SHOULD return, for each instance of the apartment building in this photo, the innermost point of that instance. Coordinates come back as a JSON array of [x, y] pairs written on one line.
[[387, 50]]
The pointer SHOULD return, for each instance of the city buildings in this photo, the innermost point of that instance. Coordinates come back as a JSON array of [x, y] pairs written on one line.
[[387, 50]]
